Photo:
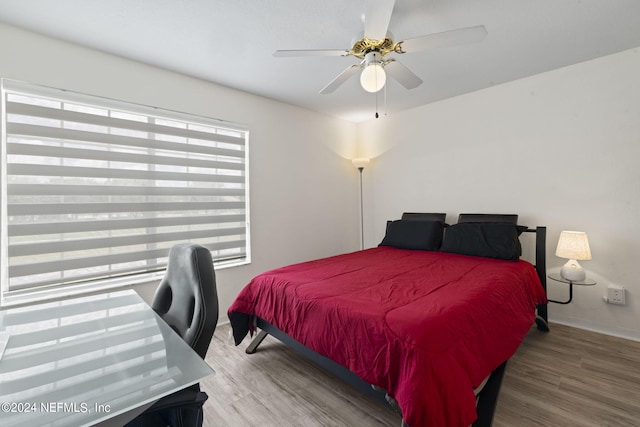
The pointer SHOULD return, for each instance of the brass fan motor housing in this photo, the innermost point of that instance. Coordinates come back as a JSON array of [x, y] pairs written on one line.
[[364, 46]]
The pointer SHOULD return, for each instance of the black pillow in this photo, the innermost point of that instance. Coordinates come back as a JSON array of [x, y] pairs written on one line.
[[485, 239], [421, 235]]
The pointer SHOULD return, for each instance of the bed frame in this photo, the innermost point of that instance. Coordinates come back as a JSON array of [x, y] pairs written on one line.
[[487, 397]]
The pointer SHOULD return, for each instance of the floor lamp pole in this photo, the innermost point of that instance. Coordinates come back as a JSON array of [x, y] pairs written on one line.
[[360, 169], [360, 164]]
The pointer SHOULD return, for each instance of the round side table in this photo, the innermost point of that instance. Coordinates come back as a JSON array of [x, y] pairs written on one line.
[[558, 278]]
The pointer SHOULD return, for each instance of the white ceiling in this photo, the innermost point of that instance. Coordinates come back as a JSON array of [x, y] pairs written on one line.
[[231, 42]]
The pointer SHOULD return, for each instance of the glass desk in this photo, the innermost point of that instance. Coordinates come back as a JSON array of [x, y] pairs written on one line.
[[84, 360]]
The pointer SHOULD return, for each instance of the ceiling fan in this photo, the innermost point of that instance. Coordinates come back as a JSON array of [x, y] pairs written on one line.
[[373, 47]]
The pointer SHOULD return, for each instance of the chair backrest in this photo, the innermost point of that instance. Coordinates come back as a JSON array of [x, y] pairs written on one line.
[[187, 298]]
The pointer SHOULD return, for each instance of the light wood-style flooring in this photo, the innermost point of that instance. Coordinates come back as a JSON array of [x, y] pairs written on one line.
[[567, 377]]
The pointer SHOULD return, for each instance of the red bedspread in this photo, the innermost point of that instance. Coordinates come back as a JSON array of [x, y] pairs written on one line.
[[427, 327]]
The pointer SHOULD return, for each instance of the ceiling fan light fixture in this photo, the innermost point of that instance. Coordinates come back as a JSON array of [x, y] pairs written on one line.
[[373, 77]]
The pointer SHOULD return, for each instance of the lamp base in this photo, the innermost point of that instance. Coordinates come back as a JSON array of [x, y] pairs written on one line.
[[572, 271]]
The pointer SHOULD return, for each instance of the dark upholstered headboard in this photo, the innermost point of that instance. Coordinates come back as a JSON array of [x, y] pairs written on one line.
[[421, 216], [466, 217]]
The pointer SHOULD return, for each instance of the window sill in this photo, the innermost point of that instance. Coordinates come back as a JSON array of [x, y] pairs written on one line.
[[28, 297]]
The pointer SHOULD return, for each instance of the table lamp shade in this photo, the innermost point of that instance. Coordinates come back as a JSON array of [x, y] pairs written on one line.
[[574, 246]]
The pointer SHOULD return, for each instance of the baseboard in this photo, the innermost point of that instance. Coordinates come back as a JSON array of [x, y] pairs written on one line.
[[629, 334]]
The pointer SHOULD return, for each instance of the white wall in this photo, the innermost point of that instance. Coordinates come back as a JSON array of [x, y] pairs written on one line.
[[561, 149], [303, 192]]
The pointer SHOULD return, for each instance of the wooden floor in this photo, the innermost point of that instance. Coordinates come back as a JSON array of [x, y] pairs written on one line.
[[568, 377]]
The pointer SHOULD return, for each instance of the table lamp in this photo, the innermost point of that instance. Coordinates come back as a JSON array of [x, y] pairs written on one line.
[[573, 245]]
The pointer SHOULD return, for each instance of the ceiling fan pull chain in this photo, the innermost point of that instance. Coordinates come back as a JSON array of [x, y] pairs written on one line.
[[378, 91], [385, 100]]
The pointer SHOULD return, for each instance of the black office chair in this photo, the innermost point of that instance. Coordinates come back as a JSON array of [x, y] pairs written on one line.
[[188, 301]]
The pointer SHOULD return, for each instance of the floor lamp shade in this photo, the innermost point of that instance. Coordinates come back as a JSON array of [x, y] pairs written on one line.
[[360, 162], [574, 246]]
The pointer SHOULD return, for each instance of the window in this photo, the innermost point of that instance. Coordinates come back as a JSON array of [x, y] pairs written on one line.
[[96, 191]]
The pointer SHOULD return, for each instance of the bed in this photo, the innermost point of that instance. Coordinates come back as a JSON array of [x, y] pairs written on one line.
[[425, 322]]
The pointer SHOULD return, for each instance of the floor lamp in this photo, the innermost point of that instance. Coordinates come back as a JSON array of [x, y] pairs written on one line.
[[360, 163]]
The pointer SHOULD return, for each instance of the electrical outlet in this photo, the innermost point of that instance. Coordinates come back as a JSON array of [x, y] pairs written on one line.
[[615, 295]]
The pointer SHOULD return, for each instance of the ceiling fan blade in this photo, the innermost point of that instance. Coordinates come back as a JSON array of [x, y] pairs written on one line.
[[444, 39], [341, 78], [310, 52], [402, 74], [376, 18]]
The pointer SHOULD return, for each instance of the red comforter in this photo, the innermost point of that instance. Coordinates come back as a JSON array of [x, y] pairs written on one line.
[[427, 327]]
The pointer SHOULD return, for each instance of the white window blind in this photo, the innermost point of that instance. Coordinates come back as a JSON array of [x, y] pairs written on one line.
[[95, 189]]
